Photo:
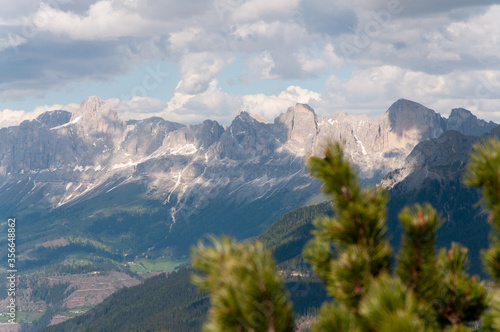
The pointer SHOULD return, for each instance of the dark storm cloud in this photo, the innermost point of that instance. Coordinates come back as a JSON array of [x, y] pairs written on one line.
[[324, 16], [429, 7], [423, 7], [48, 63]]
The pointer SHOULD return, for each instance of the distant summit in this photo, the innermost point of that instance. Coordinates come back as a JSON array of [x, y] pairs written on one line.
[[54, 118], [299, 124], [248, 115], [96, 117], [406, 115], [467, 123]]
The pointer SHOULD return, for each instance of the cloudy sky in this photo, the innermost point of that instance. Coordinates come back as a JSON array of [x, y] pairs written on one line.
[[191, 60]]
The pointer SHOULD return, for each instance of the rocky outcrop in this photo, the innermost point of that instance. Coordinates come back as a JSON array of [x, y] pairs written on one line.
[[467, 123], [54, 118], [435, 159], [247, 138], [433, 173], [411, 121], [380, 146], [298, 125]]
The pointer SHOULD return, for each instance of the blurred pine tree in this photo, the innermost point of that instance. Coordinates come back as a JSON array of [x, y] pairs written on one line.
[[427, 291]]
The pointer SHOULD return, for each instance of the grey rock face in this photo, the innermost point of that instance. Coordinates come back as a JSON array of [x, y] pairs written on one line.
[[298, 125], [54, 118], [465, 122], [434, 174], [407, 117], [463, 129], [154, 129], [247, 138], [435, 159]]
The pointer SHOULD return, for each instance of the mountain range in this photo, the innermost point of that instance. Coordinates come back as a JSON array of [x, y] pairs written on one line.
[[200, 178], [86, 184], [432, 173]]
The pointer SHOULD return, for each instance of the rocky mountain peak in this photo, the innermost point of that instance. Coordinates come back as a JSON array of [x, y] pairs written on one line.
[[408, 118], [244, 115], [298, 112], [431, 159], [97, 117], [464, 121], [405, 106], [95, 109], [298, 124], [406, 114], [460, 113], [54, 118], [404, 125], [302, 108]]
